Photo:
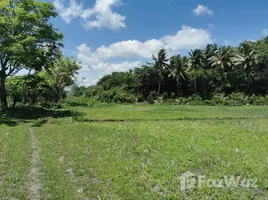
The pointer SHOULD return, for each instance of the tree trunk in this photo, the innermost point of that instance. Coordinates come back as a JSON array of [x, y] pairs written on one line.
[[177, 81], [3, 92], [57, 95], [248, 80], [194, 83], [15, 99], [159, 87], [57, 98]]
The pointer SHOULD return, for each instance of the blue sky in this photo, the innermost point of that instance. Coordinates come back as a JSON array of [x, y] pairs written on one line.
[[117, 35]]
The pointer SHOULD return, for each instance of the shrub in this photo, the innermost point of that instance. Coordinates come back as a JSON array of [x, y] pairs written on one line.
[[150, 99], [235, 99]]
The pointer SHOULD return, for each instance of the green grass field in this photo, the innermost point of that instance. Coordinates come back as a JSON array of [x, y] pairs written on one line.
[[134, 152]]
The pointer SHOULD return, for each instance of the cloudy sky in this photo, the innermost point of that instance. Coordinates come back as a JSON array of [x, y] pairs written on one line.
[[118, 35]]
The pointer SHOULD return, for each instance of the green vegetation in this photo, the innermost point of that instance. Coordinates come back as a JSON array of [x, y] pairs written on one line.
[[15, 156], [84, 145], [46, 87], [204, 74], [28, 39], [135, 152]]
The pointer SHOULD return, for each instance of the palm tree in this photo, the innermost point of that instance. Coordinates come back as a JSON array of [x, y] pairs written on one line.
[[209, 51], [160, 65], [177, 69], [196, 61], [223, 58], [247, 60]]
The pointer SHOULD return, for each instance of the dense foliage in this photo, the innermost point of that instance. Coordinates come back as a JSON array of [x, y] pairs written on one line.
[[46, 87], [29, 42], [205, 74], [27, 39]]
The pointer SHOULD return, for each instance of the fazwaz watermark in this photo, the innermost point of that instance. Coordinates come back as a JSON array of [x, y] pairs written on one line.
[[190, 181]]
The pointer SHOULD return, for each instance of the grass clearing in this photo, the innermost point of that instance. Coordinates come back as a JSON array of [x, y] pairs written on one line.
[[155, 112], [15, 161], [143, 156]]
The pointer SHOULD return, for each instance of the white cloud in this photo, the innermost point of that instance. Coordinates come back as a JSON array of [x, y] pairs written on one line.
[[202, 10], [98, 16], [187, 38], [86, 81], [130, 49], [107, 68], [96, 61], [265, 32], [125, 55], [84, 68]]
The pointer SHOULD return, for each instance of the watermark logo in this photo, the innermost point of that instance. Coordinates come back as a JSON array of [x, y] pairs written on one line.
[[190, 181]]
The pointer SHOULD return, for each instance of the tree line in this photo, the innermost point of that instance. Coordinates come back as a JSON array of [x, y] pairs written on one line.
[[204, 72]]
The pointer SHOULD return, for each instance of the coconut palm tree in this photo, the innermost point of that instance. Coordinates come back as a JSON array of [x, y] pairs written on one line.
[[209, 51], [195, 62], [177, 69], [222, 58], [160, 65], [247, 61]]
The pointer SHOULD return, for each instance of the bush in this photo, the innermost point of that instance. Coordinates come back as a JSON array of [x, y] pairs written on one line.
[[259, 100], [165, 96], [238, 99], [117, 95], [150, 99], [235, 99], [140, 98], [75, 101]]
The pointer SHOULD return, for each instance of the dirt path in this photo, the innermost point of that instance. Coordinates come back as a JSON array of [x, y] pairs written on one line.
[[34, 175]]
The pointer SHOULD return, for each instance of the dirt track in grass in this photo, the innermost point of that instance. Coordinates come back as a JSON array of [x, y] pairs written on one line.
[[34, 175]]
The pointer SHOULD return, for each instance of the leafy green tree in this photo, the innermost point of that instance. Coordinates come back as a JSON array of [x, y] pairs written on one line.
[[25, 89], [15, 88], [28, 39], [261, 46], [60, 76], [76, 91], [177, 69], [195, 62], [146, 78]]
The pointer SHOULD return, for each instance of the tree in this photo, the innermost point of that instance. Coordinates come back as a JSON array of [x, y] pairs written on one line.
[[223, 60], [60, 76], [28, 39], [15, 88], [177, 69], [160, 65], [247, 60], [145, 79], [196, 61], [209, 51], [25, 88]]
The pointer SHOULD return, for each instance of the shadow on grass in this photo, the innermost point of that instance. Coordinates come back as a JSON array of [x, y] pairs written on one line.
[[174, 119], [14, 116], [8, 122]]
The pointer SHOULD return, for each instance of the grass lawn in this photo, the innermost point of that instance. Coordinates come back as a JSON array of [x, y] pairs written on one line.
[[135, 152]]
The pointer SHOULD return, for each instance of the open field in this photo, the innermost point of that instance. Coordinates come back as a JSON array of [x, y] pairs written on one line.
[[133, 152]]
